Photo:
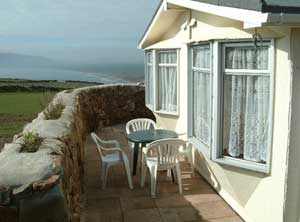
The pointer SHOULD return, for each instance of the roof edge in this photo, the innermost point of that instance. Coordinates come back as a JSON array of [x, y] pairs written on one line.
[[150, 23], [280, 9]]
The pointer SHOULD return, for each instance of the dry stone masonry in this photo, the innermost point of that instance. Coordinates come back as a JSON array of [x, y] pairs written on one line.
[[47, 185]]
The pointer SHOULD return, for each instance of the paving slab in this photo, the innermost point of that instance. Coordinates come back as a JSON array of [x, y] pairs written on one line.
[[117, 203]]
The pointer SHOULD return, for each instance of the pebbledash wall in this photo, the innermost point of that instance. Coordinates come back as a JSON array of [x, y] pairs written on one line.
[[48, 184], [257, 197]]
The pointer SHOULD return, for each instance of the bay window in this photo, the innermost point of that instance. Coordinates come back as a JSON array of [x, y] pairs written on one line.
[[230, 102]]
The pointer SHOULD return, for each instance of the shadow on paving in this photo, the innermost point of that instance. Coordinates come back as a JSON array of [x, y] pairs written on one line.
[[117, 202]]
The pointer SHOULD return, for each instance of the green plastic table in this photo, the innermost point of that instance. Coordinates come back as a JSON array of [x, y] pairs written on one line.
[[147, 136]]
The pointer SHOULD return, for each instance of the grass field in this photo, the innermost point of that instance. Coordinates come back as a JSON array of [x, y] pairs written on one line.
[[19, 85], [56, 84], [18, 108]]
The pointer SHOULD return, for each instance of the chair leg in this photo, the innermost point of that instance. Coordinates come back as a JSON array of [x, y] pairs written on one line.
[[131, 146], [178, 173], [104, 174], [127, 168], [169, 173], [174, 174], [192, 156], [144, 171], [153, 172]]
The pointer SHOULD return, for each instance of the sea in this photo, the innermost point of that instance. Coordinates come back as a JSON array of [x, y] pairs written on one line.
[[106, 77]]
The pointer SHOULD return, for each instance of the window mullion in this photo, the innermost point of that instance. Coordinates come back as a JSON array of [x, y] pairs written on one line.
[[216, 100], [155, 79]]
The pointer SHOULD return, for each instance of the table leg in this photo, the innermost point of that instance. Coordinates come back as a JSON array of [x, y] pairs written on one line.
[[172, 174], [135, 157]]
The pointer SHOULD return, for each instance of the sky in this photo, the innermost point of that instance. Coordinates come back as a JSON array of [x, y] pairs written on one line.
[[81, 31]]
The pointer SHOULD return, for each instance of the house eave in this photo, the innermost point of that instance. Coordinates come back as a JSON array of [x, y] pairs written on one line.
[[250, 18], [244, 15], [161, 7]]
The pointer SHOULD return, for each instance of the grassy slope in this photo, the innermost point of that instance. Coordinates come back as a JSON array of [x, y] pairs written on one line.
[[17, 109], [62, 85]]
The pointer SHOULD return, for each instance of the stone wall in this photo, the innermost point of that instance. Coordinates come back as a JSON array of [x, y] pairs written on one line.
[[56, 169]]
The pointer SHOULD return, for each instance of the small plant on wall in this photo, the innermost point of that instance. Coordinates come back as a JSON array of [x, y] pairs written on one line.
[[54, 110], [31, 142]]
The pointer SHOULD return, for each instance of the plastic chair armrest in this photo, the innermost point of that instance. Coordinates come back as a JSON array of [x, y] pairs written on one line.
[[115, 142], [113, 149]]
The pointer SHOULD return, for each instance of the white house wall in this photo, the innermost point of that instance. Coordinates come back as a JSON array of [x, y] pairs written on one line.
[[255, 196], [292, 206]]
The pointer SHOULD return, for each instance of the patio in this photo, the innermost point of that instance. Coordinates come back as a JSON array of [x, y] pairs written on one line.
[[117, 202]]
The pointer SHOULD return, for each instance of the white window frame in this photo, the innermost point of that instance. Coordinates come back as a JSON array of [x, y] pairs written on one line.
[[219, 72], [205, 149], [150, 106], [156, 100]]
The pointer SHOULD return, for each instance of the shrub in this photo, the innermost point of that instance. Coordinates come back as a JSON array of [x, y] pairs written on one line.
[[31, 142], [45, 99], [54, 110]]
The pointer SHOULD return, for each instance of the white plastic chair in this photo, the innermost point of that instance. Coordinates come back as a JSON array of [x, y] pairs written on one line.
[[187, 152], [138, 125], [114, 156], [164, 157]]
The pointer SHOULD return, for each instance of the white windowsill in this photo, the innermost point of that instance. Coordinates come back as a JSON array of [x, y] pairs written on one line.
[[204, 149], [243, 164], [149, 107], [160, 112]]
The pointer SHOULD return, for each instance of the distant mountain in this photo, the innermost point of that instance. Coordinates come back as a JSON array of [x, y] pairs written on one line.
[[134, 72], [13, 65], [22, 60]]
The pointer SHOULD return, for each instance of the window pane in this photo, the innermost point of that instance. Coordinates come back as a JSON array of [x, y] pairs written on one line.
[[167, 89], [201, 106], [201, 57], [246, 114], [246, 58], [168, 57]]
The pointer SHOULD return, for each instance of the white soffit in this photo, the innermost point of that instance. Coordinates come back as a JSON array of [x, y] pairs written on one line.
[[249, 17], [166, 44], [163, 18], [162, 7]]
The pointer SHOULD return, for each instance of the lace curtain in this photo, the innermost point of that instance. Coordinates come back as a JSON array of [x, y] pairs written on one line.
[[201, 94], [201, 57], [167, 82], [246, 104], [149, 79]]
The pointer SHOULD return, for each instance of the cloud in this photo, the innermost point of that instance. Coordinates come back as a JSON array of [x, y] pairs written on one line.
[[52, 27]]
